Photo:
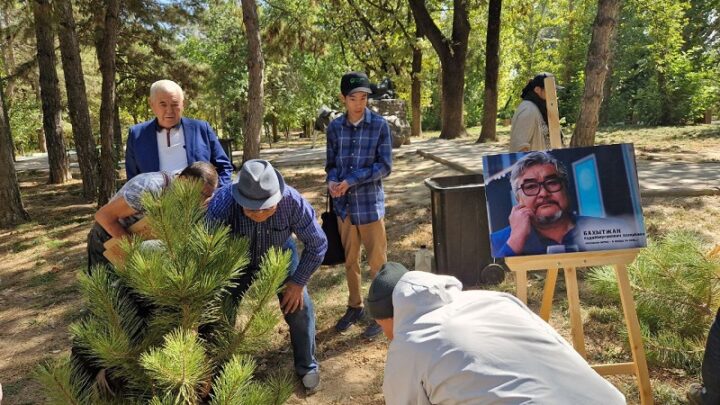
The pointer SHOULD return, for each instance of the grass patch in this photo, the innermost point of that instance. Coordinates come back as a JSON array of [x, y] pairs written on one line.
[[57, 244], [23, 245], [605, 315], [666, 394], [42, 279]]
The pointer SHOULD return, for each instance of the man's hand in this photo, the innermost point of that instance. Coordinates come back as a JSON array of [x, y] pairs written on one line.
[[102, 382], [338, 189], [342, 188], [292, 298], [520, 226], [332, 188]]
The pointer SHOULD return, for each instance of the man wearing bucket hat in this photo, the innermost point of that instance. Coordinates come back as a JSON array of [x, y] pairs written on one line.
[[450, 346], [263, 208]]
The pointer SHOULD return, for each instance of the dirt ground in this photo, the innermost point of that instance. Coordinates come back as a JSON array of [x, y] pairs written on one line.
[[39, 261]]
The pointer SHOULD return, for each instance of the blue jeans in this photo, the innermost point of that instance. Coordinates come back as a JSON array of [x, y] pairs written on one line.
[[301, 322], [711, 364]]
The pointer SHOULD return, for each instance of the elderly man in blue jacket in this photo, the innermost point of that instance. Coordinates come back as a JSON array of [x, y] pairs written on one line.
[[170, 142]]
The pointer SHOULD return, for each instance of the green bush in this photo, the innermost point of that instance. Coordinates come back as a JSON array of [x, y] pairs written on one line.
[[677, 290]]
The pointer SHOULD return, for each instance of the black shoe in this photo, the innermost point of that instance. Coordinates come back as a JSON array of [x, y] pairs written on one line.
[[372, 330], [352, 315]]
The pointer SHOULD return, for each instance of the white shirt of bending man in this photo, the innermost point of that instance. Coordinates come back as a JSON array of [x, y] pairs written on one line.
[[171, 150]]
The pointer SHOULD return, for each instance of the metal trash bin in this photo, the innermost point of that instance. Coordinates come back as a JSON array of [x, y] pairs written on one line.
[[461, 239]]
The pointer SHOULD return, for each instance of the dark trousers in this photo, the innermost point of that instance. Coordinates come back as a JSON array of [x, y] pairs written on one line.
[[95, 246], [301, 323], [711, 364]]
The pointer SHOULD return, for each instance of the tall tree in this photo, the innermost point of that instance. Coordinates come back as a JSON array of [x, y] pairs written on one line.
[[492, 67], [416, 88], [50, 91], [595, 72], [106, 35], [452, 52], [77, 97], [256, 65], [13, 212]]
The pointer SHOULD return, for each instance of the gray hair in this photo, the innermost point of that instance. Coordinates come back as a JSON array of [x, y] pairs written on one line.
[[166, 86], [534, 159]]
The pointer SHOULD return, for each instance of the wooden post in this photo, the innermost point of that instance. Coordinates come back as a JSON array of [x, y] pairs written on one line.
[[548, 292], [553, 114]]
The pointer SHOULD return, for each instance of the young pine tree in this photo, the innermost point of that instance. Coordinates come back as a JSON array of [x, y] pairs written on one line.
[[677, 291], [162, 327]]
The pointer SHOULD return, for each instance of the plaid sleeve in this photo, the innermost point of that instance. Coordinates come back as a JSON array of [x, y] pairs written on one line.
[[219, 207], [308, 230]]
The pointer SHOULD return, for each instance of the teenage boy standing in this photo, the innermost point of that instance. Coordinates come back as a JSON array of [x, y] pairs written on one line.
[[359, 155]]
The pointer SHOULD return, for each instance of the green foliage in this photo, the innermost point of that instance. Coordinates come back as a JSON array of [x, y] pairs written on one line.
[[676, 289], [179, 367], [658, 77], [256, 318], [163, 324], [59, 389], [234, 385]]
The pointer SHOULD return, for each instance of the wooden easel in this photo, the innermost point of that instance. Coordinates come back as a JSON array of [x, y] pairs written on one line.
[[113, 251], [520, 265]]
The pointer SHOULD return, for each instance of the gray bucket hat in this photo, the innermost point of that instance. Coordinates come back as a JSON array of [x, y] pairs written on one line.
[[259, 185]]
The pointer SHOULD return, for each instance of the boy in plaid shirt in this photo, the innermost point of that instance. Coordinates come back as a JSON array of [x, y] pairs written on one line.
[[359, 155]]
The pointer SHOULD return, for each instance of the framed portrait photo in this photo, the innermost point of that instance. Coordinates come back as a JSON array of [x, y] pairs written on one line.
[[563, 200]]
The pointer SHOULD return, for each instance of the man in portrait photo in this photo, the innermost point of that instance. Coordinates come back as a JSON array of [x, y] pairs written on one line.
[[545, 219]]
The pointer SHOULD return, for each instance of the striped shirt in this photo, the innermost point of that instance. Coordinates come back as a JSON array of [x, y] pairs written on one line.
[[294, 215], [362, 156]]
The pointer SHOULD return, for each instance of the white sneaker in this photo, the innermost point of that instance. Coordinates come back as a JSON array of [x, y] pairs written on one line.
[[311, 380]]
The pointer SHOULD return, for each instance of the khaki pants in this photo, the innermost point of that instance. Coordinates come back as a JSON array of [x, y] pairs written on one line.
[[372, 237]]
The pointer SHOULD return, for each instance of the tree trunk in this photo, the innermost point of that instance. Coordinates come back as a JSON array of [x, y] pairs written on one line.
[[274, 129], [35, 84], [8, 54], [416, 89], [105, 40], [595, 72], [117, 131], [568, 60], [452, 52], [256, 64], [77, 98], [50, 92], [492, 67], [12, 212], [604, 117]]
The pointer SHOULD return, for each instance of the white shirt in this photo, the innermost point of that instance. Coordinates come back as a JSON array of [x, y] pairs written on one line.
[[481, 348], [173, 158]]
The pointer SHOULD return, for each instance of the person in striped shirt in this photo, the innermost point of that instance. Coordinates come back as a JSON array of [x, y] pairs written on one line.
[[359, 156], [261, 207]]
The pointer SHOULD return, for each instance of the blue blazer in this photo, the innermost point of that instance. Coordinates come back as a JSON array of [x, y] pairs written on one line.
[[201, 145]]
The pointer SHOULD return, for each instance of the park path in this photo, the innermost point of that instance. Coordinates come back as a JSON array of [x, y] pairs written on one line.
[[466, 156]]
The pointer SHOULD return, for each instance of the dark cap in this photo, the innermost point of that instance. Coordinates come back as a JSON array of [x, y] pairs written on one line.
[[354, 81], [379, 300]]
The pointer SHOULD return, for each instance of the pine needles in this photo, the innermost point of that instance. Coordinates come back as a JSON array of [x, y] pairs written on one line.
[[160, 323], [677, 290]]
